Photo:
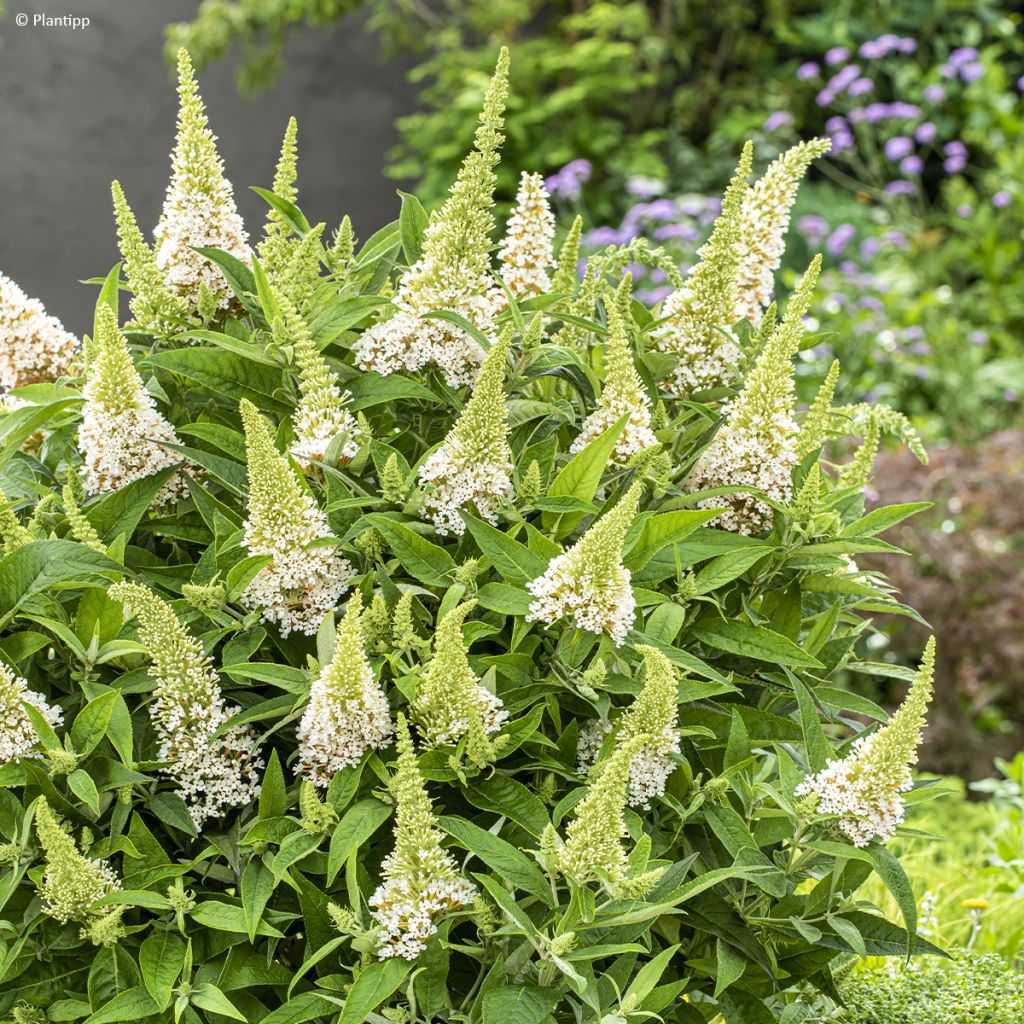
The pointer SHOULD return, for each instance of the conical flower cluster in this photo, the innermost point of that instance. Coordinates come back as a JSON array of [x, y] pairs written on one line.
[[449, 697], [72, 882], [212, 772], [864, 790], [755, 447], [699, 315], [453, 272], [593, 848], [17, 736], [321, 415], [623, 393], [472, 468], [421, 882], [526, 254], [347, 712], [199, 210], [12, 534], [33, 345], [277, 231], [156, 307], [654, 716], [765, 219], [817, 419], [121, 426], [589, 583], [303, 582]]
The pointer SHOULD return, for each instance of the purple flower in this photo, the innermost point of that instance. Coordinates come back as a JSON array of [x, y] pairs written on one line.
[[869, 302], [906, 45], [921, 348], [922, 372], [841, 141], [860, 86], [898, 147], [773, 122], [1020, 83], [872, 50], [837, 55], [825, 97], [844, 78], [963, 55], [907, 111], [914, 333], [840, 238], [896, 238], [685, 232], [869, 248], [925, 132], [602, 236], [947, 71], [812, 227], [934, 93], [644, 187], [578, 169], [566, 183], [1010, 394], [955, 148], [848, 267], [654, 295], [837, 123], [965, 211], [875, 112], [911, 165], [899, 187], [808, 70], [978, 337], [839, 299], [1001, 200], [954, 164], [971, 72]]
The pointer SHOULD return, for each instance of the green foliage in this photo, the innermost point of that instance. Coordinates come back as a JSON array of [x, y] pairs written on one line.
[[507, 858]]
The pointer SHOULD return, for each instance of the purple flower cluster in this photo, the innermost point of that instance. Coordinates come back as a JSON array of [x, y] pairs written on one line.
[[963, 64], [876, 49], [568, 182]]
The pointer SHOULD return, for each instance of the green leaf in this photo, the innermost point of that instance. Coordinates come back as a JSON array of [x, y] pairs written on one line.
[[666, 530], [81, 784], [228, 917], [371, 389], [294, 848], [500, 597], [356, 826], [245, 349], [120, 513], [304, 1007], [225, 375], [891, 872], [209, 997], [515, 561], [503, 795], [881, 519], [110, 294], [499, 856], [273, 799], [257, 888], [412, 222], [132, 1004], [340, 316], [518, 1004], [462, 323], [581, 476], [288, 210], [43, 564], [161, 958], [90, 725], [725, 568], [818, 749], [750, 641], [372, 987], [425, 561], [236, 273]]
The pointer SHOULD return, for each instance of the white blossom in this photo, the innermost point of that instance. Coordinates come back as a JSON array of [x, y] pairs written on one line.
[[18, 739], [33, 345]]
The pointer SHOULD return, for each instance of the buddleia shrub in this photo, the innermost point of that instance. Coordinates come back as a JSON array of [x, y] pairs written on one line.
[[416, 630]]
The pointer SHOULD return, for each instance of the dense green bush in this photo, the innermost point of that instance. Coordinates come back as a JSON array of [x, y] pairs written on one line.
[[574, 750]]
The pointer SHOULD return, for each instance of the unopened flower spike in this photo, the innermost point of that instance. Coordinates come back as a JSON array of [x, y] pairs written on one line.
[[278, 229], [212, 773], [421, 882], [593, 848], [857, 471], [199, 209], [81, 529], [815, 427], [453, 272], [623, 393], [755, 447], [12, 534], [700, 314], [765, 219], [449, 697], [526, 254], [589, 584], [156, 307], [472, 468], [33, 345], [18, 739], [653, 715], [403, 628], [865, 789], [297, 275], [347, 713], [302, 583], [344, 245], [808, 498], [321, 415], [121, 426], [567, 275], [856, 421], [72, 882]]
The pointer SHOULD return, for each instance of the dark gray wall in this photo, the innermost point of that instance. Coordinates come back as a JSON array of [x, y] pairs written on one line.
[[79, 108]]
